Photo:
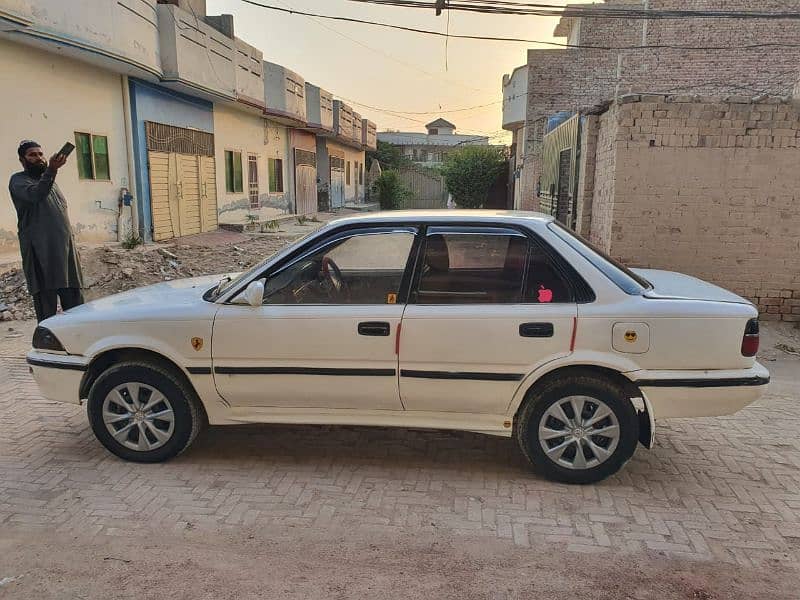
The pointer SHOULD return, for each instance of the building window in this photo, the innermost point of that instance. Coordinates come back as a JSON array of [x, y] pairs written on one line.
[[92, 156], [347, 174], [233, 172], [275, 176], [433, 131], [361, 174]]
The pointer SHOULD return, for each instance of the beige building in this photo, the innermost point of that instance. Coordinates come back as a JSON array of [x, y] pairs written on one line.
[[179, 125]]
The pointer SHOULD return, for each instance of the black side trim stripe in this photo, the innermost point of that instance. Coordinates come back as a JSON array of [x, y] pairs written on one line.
[[199, 370], [36, 362], [704, 383], [304, 371], [461, 375]]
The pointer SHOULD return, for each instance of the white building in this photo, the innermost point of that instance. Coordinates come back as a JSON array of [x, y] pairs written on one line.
[[179, 125], [430, 148], [515, 104]]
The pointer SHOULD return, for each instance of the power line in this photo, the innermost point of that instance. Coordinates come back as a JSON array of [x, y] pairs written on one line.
[[291, 11], [385, 54], [603, 11]]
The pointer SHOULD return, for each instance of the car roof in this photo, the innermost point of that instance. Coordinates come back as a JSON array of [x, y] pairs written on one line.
[[445, 216]]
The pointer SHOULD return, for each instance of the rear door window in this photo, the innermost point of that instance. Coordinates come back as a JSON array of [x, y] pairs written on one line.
[[485, 266]]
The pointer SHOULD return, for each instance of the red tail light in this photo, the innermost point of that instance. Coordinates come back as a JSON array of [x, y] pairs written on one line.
[[750, 338]]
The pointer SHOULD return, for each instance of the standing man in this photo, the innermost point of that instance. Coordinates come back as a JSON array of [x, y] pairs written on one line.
[[49, 256]]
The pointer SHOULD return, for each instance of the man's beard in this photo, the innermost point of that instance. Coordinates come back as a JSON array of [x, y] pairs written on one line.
[[35, 169]]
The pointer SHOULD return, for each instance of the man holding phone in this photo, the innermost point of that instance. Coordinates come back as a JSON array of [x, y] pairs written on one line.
[[49, 255]]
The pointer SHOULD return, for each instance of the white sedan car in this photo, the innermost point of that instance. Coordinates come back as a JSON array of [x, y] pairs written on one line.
[[500, 323]]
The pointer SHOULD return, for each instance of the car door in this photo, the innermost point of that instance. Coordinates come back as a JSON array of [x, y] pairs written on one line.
[[324, 336], [488, 304]]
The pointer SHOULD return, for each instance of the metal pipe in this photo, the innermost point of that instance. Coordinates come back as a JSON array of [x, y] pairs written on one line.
[[126, 111]]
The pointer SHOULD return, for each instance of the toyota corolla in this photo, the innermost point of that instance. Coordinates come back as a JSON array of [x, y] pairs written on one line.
[[499, 323]]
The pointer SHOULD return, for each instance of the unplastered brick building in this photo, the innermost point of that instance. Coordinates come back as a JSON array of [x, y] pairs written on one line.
[[706, 186], [613, 57], [679, 151]]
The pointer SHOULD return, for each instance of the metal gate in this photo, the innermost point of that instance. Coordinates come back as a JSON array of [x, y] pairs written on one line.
[[337, 182], [305, 182], [182, 172], [252, 181], [563, 196]]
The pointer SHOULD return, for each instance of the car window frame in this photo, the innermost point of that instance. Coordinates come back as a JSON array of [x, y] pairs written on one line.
[[580, 291], [618, 273], [320, 243]]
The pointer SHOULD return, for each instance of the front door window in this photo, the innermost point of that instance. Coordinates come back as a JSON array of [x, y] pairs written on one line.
[[363, 268]]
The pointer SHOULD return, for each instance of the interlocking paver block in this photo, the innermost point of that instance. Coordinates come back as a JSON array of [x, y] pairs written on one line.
[[725, 489]]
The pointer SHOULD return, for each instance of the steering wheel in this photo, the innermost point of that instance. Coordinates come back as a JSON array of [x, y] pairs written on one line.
[[334, 275]]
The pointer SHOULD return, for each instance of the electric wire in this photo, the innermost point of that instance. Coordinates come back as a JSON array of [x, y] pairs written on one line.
[[521, 40]]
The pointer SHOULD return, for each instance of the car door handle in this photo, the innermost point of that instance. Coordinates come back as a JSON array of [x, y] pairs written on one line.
[[376, 328], [536, 330]]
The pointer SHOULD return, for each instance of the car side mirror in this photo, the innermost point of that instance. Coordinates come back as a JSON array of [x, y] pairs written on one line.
[[254, 293]]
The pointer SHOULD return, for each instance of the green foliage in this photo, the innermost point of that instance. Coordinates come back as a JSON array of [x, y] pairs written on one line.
[[469, 173], [131, 241], [388, 156], [392, 193]]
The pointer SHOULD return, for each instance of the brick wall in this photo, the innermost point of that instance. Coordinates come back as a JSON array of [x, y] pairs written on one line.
[[706, 187], [603, 200], [586, 174], [572, 79]]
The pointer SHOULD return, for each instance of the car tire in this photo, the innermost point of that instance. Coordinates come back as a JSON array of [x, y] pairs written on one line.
[[119, 413], [591, 448]]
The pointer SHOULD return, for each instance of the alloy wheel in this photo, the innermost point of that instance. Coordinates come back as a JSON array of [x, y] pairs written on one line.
[[138, 416], [579, 432]]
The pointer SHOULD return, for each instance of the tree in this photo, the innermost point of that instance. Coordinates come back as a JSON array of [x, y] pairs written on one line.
[[392, 193], [469, 173], [388, 155]]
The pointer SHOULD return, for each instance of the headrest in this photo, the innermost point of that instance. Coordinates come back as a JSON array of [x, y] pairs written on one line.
[[437, 256]]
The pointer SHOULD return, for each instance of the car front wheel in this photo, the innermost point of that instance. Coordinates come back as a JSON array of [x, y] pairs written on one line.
[[142, 412], [578, 429]]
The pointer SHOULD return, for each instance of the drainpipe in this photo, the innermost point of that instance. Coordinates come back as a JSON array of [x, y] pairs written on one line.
[[126, 110]]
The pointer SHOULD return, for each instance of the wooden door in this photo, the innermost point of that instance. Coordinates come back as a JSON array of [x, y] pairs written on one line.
[[305, 182], [208, 193], [163, 194], [189, 194]]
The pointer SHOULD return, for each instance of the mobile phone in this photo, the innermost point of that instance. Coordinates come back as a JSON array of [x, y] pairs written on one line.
[[67, 149]]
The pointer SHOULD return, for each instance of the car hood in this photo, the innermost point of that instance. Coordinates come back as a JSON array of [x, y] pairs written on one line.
[[168, 300], [671, 285]]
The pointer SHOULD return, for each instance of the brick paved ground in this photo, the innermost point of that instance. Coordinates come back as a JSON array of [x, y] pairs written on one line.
[[726, 489]]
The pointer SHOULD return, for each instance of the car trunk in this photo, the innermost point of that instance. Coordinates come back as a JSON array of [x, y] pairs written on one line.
[[703, 330], [667, 284]]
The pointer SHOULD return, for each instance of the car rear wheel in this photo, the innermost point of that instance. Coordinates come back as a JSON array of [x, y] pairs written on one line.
[[143, 412], [578, 429]]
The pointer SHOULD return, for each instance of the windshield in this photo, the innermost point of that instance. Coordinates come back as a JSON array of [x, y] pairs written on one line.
[[229, 283], [628, 281]]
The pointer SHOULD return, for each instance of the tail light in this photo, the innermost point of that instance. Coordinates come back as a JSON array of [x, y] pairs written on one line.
[[750, 338]]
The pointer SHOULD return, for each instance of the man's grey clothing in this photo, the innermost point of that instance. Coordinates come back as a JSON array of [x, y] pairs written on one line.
[[49, 256], [46, 302]]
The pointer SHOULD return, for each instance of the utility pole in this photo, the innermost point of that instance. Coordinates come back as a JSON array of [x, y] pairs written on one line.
[[440, 6]]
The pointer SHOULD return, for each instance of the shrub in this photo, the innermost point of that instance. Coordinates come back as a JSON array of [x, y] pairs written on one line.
[[469, 173], [392, 193]]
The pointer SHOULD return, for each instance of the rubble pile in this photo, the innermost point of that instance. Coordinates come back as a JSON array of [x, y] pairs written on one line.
[[111, 269]]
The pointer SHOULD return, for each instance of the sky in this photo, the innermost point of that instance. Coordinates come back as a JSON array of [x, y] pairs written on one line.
[[395, 71]]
